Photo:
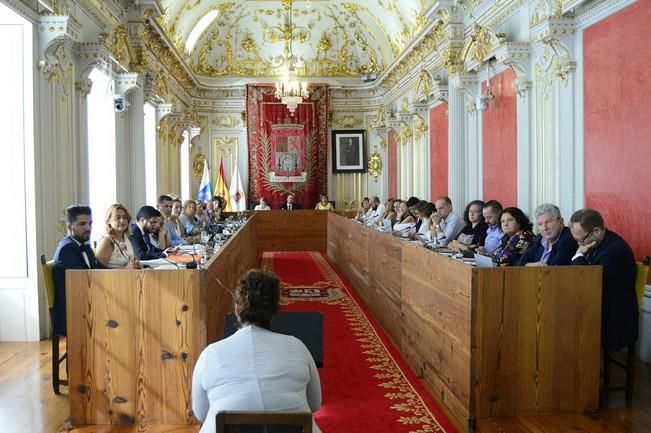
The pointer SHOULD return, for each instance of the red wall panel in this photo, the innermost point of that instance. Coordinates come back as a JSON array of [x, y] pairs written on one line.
[[500, 151], [438, 145], [617, 87], [393, 164]]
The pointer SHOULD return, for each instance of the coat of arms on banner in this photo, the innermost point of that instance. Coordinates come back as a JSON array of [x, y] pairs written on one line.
[[287, 153]]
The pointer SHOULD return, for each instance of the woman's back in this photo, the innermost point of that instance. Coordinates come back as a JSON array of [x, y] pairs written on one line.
[[255, 369]]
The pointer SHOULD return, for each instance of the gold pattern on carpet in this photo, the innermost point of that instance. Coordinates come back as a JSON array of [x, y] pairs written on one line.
[[328, 290]]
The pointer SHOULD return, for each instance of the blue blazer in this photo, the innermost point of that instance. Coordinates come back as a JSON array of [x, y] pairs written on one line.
[[619, 311], [142, 248], [68, 255], [561, 254]]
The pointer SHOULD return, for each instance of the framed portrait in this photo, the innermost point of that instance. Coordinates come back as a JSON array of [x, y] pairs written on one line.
[[349, 151]]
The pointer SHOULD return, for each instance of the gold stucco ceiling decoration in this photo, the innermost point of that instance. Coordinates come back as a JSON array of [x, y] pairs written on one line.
[[331, 38]]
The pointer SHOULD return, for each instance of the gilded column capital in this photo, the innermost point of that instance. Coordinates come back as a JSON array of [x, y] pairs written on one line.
[[517, 56]]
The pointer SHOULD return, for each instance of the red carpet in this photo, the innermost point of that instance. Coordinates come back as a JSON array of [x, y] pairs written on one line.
[[366, 385]]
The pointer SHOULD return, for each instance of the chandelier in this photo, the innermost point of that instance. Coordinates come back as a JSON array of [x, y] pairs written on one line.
[[289, 90]]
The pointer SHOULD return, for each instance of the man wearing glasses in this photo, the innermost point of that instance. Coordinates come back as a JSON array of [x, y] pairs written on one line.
[[600, 246]]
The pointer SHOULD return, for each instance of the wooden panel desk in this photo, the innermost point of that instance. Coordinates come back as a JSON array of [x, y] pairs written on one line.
[[486, 342]]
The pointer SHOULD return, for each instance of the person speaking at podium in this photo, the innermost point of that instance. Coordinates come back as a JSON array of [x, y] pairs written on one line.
[[255, 369]]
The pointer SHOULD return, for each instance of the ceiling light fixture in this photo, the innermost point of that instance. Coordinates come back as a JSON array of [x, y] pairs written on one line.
[[289, 90]]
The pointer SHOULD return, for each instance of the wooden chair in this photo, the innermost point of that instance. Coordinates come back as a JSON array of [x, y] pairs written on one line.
[[56, 359], [629, 364], [263, 422]]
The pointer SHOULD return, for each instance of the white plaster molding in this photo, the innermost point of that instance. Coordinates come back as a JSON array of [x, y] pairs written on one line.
[[163, 110], [470, 86], [52, 33], [594, 11], [517, 55], [124, 82], [90, 56]]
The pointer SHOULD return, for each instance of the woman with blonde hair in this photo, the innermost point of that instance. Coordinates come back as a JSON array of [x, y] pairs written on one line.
[[114, 249]]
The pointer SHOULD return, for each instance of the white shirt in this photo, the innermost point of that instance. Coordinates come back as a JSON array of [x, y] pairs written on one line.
[[374, 216], [261, 207], [451, 226], [254, 369]]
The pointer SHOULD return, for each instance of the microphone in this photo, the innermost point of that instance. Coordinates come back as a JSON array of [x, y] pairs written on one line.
[[219, 282], [194, 264]]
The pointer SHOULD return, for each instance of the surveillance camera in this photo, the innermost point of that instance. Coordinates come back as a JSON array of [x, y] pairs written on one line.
[[482, 103], [119, 104]]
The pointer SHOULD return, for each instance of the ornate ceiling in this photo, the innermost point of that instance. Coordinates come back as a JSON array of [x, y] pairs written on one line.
[[333, 40]]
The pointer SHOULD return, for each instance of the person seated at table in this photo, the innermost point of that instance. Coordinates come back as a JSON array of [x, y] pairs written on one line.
[[263, 204], [423, 226], [148, 221], [473, 234], [554, 244], [376, 212], [517, 237], [190, 224], [255, 369], [219, 205], [212, 213], [114, 249], [200, 213], [389, 212], [291, 203], [491, 212], [324, 204], [404, 219], [73, 252], [446, 224], [170, 231], [363, 210]]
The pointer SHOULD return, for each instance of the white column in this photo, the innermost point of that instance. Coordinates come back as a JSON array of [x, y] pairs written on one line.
[[456, 147]]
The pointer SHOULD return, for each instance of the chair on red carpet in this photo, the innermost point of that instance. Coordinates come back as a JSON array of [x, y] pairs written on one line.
[[263, 422], [629, 364], [56, 359]]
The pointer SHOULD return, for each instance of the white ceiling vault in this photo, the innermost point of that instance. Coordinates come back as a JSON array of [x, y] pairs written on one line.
[[332, 40]]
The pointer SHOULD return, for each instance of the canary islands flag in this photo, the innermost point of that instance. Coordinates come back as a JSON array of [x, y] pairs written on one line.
[[205, 192]]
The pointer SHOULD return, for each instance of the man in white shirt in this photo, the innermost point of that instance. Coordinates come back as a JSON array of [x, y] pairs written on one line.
[[376, 213], [446, 224]]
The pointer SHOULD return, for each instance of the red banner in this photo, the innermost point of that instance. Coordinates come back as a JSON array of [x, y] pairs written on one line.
[[287, 152]]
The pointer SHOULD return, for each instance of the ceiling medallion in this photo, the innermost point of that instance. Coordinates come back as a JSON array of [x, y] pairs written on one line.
[[289, 90]]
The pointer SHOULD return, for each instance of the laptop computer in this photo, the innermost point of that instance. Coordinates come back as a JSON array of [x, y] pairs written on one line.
[[482, 261]]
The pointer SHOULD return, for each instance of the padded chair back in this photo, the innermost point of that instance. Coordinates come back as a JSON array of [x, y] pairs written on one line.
[[263, 422], [46, 265], [640, 282]]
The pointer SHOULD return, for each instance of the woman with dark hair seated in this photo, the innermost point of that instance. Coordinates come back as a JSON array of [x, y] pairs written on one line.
[[473, 234], [517, 237], [255, 369]]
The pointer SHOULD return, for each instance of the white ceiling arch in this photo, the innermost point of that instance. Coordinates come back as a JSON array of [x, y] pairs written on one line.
[[333, 40]]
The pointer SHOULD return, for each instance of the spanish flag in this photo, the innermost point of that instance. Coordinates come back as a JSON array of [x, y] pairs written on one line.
[[221, 188]]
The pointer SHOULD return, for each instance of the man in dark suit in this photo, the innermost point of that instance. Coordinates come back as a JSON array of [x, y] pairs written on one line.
[[73, 252], [600, 246], [290, 204], [148, 221], [554, 245]]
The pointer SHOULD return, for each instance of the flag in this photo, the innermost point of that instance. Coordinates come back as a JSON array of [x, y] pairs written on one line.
[[221, 187], [238, 198], [204, 188]]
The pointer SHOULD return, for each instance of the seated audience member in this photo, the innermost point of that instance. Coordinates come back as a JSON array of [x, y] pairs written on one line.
[[73, 252], [291, 204], [169, 234], [263, 204], [423, 226], [200, 213], [219, 204], [212, 213], [389, 212], [404, 219], [601, 246], [491, 212], [376, 212], [148, 221], [554, 244], [189, 222], [473, 234], [324, 204], [517, 237], [114, 249], [363, 209], [255, 369], [446, 223], [411, 201]]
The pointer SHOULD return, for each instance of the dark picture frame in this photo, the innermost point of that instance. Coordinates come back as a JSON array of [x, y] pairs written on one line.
[[349, 151]]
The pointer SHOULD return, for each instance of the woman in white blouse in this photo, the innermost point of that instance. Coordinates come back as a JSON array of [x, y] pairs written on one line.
[[255, 369], [114, 249], [263, 204]]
